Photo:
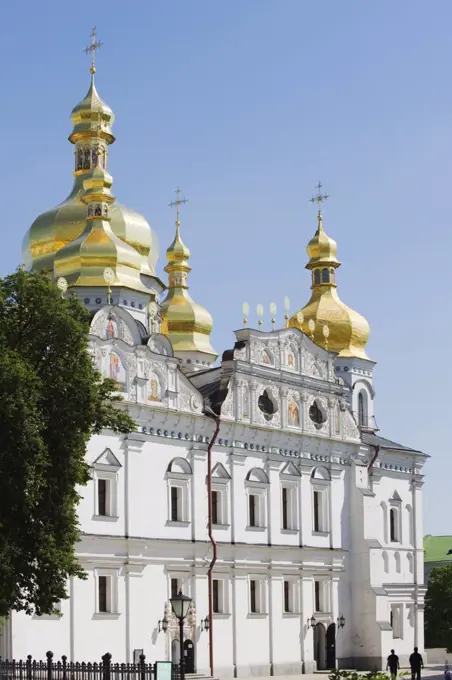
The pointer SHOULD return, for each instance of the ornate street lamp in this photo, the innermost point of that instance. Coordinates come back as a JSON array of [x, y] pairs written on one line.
[[163, 624], [311, 622], [180, 606]]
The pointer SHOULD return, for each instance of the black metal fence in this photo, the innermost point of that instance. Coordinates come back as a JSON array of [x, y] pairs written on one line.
[[30, 669]]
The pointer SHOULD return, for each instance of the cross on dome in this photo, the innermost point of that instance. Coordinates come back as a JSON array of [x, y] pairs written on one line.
[[95, 45], [319, 198], [178, 202]]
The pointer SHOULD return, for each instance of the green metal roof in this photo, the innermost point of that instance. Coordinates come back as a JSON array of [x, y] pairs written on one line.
[[437, 548]]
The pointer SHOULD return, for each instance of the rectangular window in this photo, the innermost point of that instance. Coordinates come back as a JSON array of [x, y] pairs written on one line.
[[253, 597], [317, 596], [253, 504], [175, 587], [216, 587], [103, 497], [318, 519], [104, 594], [285, 508], [215, 508], [288, 597], [176, 493]]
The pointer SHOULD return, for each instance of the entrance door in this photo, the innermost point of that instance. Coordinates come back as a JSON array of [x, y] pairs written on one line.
[[175, 652], [189, 652], [320, 646], [331, 646]]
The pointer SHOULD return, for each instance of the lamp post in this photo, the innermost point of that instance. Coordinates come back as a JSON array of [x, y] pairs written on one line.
[[180, 606]]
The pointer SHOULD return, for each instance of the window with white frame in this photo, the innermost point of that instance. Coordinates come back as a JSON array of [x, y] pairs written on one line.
[[396, 621], [178, 582], [178, 476], [256, 489], [220, 490], [219, 596], [105, 479], [289, 478], [321, 603], [257, 595], [106, 591], [320, 482], [290, 596]]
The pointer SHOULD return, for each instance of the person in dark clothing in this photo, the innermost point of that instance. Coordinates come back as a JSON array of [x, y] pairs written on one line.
[[393, 664], [416, 663]]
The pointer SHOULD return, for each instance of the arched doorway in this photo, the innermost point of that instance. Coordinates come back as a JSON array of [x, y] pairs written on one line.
[[175, 652], [189, 654], [331, 646], [320, 646]]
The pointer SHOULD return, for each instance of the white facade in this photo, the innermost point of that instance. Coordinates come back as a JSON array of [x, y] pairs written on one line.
[[311, 519]]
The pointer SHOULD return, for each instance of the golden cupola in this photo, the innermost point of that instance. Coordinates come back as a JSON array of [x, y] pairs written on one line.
[[91, 136], [348, 331], [187, 325]]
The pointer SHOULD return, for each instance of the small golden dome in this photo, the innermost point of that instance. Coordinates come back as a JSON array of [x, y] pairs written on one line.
[[55, 228], [321, 248], [186, 324], [92, 115], [348, 330]]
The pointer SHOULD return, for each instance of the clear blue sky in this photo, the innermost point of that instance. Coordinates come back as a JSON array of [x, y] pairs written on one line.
[[247, 104]]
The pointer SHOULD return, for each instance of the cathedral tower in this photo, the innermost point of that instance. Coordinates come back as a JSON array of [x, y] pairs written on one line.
[[184, 322], [348, 331]]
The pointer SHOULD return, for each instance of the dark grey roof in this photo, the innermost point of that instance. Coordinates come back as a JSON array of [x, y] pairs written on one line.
[[374, 440], [213, 385]]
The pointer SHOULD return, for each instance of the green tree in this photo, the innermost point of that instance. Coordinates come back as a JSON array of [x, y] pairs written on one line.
[[438, 608], [52, 401]]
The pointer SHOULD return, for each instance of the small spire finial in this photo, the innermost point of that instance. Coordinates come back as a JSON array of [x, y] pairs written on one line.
[[178, 203], [319, 198], [246, 311], [95, 45]]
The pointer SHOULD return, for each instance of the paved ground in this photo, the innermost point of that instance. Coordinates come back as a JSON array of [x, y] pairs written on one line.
[[429, 673]]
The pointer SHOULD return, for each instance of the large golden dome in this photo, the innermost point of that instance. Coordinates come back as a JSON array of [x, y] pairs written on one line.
[[187, 325], [348, 331], [92, 120]]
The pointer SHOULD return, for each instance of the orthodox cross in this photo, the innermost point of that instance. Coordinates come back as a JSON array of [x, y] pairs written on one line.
[[95, 45], [177, 203], [319, 198]]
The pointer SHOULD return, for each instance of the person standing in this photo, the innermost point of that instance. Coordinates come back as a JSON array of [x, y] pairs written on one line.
[[416, 663], [393, 664]]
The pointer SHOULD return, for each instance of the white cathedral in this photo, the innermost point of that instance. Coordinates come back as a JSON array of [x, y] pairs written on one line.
[[317, 519]]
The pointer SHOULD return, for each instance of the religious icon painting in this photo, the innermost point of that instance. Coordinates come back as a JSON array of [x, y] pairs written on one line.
[[116, 370], [293, 413], [154, 388], [111, 328], [266, 358]]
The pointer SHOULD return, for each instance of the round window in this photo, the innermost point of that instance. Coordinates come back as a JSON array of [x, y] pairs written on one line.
[[317, 414], [266, 405]]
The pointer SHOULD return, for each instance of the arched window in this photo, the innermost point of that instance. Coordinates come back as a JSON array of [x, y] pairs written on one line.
[[316, 414], [332, 276], [267, 405], [320, 481], [317, 276], [397, 562], [385, 557], [410, 560], [362, 409], [256, 485], [178, 474], [325, 276]]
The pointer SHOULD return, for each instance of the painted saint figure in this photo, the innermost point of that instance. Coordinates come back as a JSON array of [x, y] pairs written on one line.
[[293, 413]]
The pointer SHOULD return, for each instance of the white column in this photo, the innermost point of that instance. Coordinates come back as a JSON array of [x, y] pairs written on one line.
[[307, 634]]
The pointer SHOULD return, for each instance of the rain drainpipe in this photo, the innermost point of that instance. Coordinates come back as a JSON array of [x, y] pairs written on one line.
[[212, 540], [371, 464]]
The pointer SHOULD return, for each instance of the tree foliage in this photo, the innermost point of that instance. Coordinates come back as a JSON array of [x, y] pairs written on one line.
[[52, 400], [438, 608]]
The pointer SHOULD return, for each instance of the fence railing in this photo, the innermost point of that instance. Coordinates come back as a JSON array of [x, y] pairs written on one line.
[[30, 669]]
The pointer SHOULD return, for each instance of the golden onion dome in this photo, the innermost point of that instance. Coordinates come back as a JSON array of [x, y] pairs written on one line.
[[83, 262], [348, 331], [186, 324], [55, 228]]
